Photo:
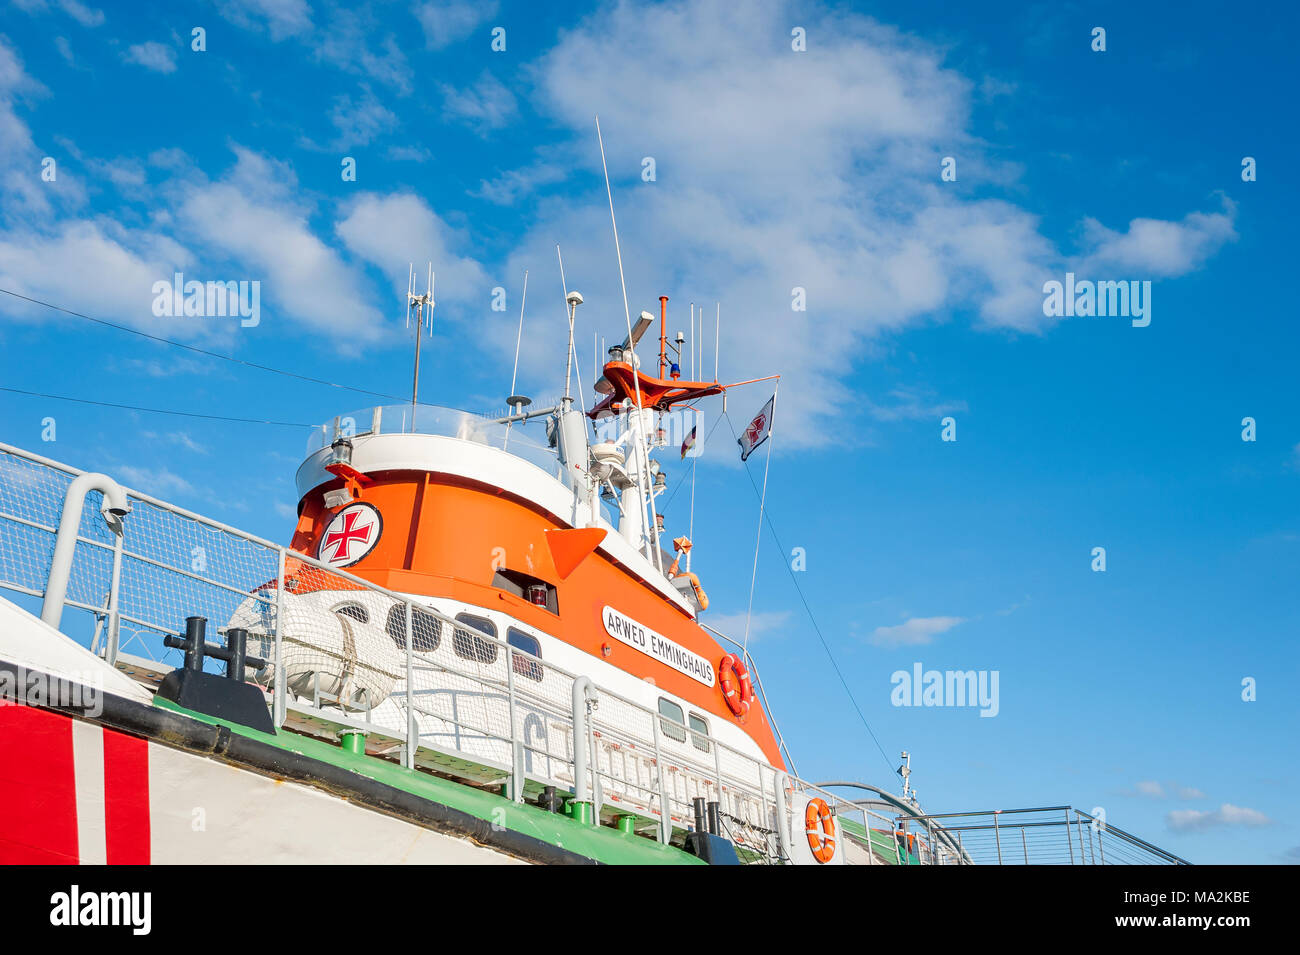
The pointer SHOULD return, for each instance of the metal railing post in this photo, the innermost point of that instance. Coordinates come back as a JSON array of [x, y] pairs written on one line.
[[997, 834], [1068, 840], [782, 811], [114, 617], [516, 753], [279, 694], [582, 693], [717, 771], [1078, 824], [665, 810], [412, 730], [1024, 841], [115, 507]]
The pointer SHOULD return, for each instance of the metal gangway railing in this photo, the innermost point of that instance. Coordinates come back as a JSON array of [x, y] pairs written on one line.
[[1045, 835]]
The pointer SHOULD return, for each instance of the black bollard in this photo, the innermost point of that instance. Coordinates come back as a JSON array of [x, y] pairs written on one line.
[[237, 650]]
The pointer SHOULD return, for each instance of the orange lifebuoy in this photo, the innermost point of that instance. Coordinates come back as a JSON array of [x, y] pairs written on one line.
[[737, 690], [821, 830]]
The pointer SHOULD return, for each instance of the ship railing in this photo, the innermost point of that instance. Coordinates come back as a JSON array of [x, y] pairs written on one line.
[[505, 435], [1045, 835], [429, 691]]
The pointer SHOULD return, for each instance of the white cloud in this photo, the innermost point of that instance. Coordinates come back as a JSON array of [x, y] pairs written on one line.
[[152, 56], [485, 106], [20, 180], [360, 121], [733, 624], [1195, 820], [391, 231], [281, 18], [1167, 790], [87, 16], [447, 21], [409, 154], [115, 269], [1157, 248], [777, 170], [156, 481], [511, 185], [251, 215], [83, 14], [907, 404], [914, 632], [346, 44]]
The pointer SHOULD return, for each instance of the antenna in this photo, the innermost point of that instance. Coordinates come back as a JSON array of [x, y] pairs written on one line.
[[516, 402], [692, 341], [423, 309], [520, 336], [717, 337], [647, 499], [571, 301]]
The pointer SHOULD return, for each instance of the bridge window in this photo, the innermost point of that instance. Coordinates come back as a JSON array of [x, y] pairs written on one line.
[[699, 732], [468, 645], [427, 627], [673, 722], [522, 664]]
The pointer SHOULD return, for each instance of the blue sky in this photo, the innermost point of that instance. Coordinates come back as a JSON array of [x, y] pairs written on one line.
[[774, 169]]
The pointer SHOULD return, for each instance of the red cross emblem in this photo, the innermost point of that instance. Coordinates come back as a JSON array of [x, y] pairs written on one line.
[[755, 429], [350, 535]]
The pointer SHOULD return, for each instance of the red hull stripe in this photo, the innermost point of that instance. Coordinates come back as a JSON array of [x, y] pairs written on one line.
[[126, 798], [38, 797]]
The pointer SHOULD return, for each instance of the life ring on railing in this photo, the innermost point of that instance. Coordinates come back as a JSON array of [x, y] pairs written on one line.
[[821, 830], [737, 690]]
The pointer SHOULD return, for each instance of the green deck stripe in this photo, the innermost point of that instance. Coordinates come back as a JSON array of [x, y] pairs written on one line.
[[601, 843]]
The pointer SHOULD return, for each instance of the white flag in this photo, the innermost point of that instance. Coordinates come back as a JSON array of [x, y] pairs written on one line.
[[758, 430]]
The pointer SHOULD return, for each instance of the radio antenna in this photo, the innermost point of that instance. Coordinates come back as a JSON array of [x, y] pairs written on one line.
[[421, 308], [516, 402], [717, 337], [643, 453]]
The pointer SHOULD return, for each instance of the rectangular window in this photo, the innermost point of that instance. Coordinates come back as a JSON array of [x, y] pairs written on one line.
[[468, 645], [522, 664], [673, 722], [699, 732]]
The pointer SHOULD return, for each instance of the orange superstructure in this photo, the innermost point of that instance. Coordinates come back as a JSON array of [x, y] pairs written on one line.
[[448, 536]]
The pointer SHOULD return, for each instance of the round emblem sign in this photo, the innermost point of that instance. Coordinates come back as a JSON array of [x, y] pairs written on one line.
[[351, 534]]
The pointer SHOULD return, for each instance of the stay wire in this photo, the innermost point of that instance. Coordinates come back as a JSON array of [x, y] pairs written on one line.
[[813, 620]]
